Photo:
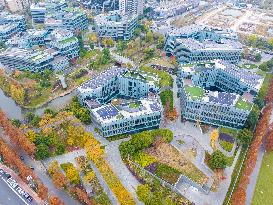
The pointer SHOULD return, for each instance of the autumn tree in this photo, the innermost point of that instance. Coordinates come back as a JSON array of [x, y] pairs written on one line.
[[53, 200], [93, 149]]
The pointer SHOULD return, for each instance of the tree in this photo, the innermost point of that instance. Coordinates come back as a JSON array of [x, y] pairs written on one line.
[[72, 174], [42, 152], [89, 176], [149, 53], [252, 118], [93, 149], [270, 43], [258, 57], [31, 135], [59, 180], [218, 160], [252, 39], [93, 38], [53, 200], [149, 37], [107, 42], [244, 137]]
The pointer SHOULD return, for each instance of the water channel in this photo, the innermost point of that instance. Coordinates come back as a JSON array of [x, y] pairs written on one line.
[[15, 111]]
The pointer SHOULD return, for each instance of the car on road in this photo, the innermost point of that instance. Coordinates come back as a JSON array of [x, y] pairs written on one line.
[[7, 175], [31, 167], [21, 157]]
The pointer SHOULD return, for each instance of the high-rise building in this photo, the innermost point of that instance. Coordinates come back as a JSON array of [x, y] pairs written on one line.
[[131, 7]]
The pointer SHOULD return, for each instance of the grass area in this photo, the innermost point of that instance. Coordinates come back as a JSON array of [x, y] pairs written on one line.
[[263, 191], [230, 131], [134, 105], [226, 145], [167, 173], [168, 155], [249, 66], [194, 92], [234, 175], [143, 159], [68, 40], [243, 105]]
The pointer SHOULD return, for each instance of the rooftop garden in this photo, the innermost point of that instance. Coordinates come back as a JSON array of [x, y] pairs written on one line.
[[195, 93], [68, 40], [249, 66], [243, 105], [134, 105]]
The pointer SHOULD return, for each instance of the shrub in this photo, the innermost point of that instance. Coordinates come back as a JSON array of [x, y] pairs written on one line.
[[71, 173], [218, 160]]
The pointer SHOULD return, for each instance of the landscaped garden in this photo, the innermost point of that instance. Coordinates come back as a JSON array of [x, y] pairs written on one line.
[[152, 151], [195, 93]]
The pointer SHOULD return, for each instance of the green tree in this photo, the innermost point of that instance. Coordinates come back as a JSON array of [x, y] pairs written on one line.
[[218, 160], [270, 43], [42, 152], [245, 137], [252, 39], [149, 53], [258, 57], [253, 117], [167, 96], [149, 37], [264, 67]]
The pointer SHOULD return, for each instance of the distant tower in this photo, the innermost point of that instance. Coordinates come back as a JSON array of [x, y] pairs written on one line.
[[127, 7]]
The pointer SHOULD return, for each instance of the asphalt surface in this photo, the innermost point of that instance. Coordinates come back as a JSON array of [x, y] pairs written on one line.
[[7, 196]]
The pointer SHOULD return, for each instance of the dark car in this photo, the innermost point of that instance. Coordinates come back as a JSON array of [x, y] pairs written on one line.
[[31, 167], [21, 157], [8, 175]]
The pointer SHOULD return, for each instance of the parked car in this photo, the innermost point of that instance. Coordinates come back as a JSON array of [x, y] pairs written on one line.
[[12, 182], [8, 175], [21, 157]]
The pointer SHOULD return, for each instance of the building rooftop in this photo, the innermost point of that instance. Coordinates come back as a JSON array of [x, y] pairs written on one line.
[[113, 18], [110, 113], [102, 78]]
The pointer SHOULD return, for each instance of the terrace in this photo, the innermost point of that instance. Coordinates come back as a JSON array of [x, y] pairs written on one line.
[[194, 92], [243, 104]]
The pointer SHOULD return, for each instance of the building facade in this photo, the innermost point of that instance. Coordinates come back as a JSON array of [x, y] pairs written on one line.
[[137, 109], [115, 25], [217, 93], [31, 60], [131, 7], [200, 43]]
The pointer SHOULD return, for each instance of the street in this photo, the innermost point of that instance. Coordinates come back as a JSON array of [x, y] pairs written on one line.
[[8, 196]]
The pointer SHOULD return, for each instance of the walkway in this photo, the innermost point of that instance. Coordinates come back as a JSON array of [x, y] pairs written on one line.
[[40, 171], [254, 176], [70, 157], [114, 159]]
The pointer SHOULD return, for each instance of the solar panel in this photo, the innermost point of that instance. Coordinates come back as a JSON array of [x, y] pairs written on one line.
[[107, 112], [155, 106]]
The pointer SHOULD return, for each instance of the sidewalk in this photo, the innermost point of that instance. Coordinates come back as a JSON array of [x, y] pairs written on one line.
[[22, 184]]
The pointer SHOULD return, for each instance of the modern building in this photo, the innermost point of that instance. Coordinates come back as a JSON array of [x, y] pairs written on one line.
[[136, 108], [131, 7], [7, 18], [16, 5], [40, 9], [201, 43], [31, 60], [217, 93], [8, 30], [28, 39], [127, 117], [168, 9], [69, 18], [115, 25], [65, 42]]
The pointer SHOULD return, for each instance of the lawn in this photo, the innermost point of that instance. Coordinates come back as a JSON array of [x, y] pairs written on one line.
[[263, 191], [194, 92], [243, 105]]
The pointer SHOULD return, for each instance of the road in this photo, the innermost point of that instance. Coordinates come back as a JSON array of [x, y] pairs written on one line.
[[40, 171], [8, 196]]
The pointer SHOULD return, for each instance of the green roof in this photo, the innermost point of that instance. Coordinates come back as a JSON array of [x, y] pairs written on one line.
[[194, 92], [68, 40], [134, 105], [243, 105]]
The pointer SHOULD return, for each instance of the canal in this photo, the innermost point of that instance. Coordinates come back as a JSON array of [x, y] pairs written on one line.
[[15, 111]]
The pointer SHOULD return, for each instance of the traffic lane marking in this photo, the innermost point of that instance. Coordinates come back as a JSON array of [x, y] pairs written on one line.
[[15, 191]]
